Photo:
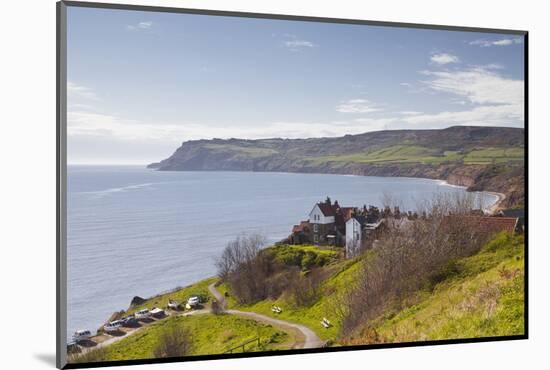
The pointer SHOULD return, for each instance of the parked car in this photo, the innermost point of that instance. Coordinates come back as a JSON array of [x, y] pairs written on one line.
[[173, 305], [81, 335], [129, 321], [194, 301], [73, 347], [142, 314], [112, 327], [157, 312]]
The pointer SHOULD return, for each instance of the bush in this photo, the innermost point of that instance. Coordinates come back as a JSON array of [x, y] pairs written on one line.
[[216, 307], [92, 355], [175, 341], [309, 260], [406, 258]]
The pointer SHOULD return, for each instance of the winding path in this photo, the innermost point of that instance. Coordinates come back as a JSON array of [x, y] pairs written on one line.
[[311, 339]]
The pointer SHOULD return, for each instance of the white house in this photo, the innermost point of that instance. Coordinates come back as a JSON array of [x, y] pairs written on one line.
[[357, 231], [354, 235], [322, 217]]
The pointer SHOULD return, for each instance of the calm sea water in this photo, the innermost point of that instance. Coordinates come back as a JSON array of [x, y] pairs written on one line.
[[133, 231]]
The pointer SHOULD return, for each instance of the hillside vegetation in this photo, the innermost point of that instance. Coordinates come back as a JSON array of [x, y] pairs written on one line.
[[483, 296], [209, 334], [477, 296]]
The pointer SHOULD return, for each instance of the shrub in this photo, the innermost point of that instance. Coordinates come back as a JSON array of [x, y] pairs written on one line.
[[175, 341], [216, 307], [92, 355]]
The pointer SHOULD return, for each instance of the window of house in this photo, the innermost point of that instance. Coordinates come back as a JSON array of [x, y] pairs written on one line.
[[315, 239], [316, 228]]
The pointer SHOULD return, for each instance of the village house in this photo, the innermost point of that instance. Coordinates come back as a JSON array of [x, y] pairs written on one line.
[[301, 234], [360, 234], [328, 222], [358, 229]]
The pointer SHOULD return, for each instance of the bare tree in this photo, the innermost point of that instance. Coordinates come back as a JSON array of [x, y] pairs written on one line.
[[409, 256], [244, 268], [305, 290]]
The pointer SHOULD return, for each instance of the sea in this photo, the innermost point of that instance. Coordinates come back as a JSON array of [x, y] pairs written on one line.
[[132, 231]]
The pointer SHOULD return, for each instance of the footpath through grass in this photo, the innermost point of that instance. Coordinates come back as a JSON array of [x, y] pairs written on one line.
[[341, 274], [211, 334]]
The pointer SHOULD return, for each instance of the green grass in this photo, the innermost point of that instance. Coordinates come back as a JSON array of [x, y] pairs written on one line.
[[303, 256], [408, 154], [490, 155], [341, 274], [483, 297], [240, 150], [179, 295], [211, 334], [480, 296]]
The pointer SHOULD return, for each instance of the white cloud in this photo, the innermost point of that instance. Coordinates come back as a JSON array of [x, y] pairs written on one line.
[[478, 85], [406, 84], [501, 42], [357, 106], [83, 123], [294, 43], [78, 91], [94, 126], [444, 58], [144, 25], [297, 44], [488, 115], [410, 113]]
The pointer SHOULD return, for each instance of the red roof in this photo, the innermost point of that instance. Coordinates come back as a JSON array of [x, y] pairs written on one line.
[[491, 224], [347, 212], [302, 227], [327, 209]]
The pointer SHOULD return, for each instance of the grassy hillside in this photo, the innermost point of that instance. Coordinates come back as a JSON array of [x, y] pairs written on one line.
[[479, 296], [180, 295], [211, 334], [338, 274], [407, 154], [482, 296]]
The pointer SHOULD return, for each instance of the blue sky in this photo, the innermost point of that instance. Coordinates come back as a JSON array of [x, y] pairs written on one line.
[[140, 83]]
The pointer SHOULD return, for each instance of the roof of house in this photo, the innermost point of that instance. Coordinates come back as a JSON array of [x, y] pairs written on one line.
[[327, 209], [347, 212], [491, 224], [301, 227], [361, 219]]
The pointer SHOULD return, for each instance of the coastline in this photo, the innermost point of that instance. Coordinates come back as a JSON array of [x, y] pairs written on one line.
[[492, 208], [496, 206]]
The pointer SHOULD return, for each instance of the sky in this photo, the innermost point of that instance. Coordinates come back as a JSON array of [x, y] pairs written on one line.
[[141, 83]]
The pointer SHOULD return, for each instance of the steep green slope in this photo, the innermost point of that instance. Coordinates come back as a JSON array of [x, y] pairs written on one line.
[[482, 296]]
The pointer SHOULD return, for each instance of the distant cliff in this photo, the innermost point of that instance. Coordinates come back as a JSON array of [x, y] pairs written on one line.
[[481, 158]]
